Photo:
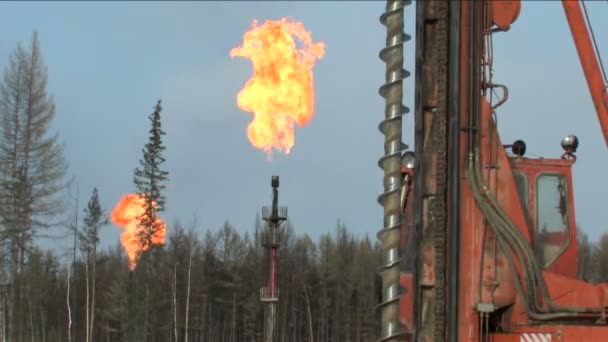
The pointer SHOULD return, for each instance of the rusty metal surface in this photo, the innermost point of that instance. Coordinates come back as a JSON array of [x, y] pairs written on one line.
[[432, 147]]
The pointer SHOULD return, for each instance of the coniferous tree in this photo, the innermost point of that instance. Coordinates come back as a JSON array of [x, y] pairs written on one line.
[[95, 218], [149, 179], [32, 167]]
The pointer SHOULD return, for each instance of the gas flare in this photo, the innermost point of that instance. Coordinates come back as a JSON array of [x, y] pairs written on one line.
[[281, 91], [126, 215]]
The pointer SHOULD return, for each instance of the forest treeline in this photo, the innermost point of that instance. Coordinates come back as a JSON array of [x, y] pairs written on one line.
[[197, 286], [207, 288]]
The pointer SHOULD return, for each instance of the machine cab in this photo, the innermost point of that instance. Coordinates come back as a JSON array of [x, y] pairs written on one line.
[[545, 191]]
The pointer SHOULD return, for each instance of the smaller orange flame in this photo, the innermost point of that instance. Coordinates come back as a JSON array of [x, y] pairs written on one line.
[[125, 215]]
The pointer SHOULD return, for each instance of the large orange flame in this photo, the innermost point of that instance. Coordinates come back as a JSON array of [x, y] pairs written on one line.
[[126, 215], [280, 92]]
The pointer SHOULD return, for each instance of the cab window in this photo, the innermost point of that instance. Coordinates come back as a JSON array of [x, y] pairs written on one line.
[[521, 183], [552, 218]]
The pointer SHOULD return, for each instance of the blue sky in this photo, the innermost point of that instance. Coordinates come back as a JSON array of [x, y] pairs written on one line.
[[110, 61]]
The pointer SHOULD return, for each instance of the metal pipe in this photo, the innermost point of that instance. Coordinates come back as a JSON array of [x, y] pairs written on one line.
[[392, 90]]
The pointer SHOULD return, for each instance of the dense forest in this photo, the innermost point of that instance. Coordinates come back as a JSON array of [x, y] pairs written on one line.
[[207, 289], [197, 286]]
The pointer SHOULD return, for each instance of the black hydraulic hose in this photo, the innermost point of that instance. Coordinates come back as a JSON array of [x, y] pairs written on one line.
[[531, 313], [494, 222]]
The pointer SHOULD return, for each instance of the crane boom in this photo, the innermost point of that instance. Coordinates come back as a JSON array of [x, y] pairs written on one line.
[[589, 61]]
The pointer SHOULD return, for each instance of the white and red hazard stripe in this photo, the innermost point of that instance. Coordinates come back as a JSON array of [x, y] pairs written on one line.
[[535, 337]]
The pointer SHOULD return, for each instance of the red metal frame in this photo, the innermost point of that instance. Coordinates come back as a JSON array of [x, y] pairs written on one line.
[[484, 274]]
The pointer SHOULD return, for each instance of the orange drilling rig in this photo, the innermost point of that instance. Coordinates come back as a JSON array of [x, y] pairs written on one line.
[[479, 240]]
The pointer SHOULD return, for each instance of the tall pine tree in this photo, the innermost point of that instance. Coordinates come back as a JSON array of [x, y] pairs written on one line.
[[32, 170], [149, 180], [95, 218]]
